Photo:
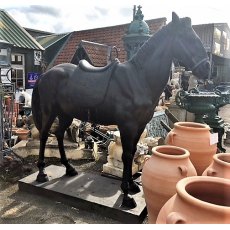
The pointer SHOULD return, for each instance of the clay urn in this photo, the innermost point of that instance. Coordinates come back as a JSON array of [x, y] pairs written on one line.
[[22, 133], [161, 171], [220, 166], [198, 200], [197, 139]]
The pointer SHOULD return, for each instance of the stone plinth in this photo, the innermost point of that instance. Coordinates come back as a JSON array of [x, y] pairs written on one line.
[[73, 151], [88, 191]]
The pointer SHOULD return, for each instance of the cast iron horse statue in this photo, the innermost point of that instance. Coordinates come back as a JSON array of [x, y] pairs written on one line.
[[122, 94]]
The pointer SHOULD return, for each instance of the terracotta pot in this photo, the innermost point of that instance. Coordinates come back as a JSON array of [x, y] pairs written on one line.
[[7, 102], [13, 130], [22, 134], [198, 200], [220, 166], [196, 138], [166, 166]]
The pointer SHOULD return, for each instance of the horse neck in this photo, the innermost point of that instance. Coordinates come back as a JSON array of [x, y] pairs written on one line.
[[154, 59]]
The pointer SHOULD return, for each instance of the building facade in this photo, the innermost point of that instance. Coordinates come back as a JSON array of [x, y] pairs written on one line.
[[216, 40], [26, 53]]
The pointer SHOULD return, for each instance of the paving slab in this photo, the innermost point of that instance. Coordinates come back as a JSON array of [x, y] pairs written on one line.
[[89, 191]]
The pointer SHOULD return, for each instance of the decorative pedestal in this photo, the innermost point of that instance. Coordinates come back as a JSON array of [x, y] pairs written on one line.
[[114, 166], [217, 125]]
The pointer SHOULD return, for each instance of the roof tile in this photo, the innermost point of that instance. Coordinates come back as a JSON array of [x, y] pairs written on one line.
[[110, 36]]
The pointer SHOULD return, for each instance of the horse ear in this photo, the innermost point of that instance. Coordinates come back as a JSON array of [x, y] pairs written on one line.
[[188, 21], [175, 17]]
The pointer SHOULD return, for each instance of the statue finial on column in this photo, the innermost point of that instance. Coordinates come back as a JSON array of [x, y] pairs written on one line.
[[139, 15]]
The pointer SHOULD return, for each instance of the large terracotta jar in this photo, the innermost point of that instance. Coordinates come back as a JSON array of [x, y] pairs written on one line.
[[220, 166], [198, 200], [161, 171], [196, 138]]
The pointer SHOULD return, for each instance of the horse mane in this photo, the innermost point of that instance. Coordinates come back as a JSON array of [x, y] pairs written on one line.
[[150, 45]]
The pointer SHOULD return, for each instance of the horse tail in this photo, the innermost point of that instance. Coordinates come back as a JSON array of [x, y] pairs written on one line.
[[36, 110]]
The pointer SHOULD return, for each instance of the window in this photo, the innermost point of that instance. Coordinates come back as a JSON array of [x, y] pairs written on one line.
[[18, 69], [16, 59], [17, 77]]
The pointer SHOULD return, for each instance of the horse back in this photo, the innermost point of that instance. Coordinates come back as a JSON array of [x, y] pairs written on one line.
[[89, 87]]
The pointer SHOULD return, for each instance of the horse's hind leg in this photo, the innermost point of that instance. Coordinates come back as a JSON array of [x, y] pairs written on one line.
[[64, 123], [43, 132]]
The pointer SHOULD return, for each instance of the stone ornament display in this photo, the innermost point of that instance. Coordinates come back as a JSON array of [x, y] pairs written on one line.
[[161, 172], [115, 166]]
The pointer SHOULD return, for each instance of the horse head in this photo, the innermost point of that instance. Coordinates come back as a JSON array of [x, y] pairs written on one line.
[[188, 47]]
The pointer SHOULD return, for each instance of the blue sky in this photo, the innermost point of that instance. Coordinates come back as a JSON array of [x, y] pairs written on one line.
[[64, 16]]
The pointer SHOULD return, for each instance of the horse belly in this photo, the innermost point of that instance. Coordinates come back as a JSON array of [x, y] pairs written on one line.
[[94, 114]]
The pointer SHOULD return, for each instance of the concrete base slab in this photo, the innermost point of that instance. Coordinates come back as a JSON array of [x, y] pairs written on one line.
[[89, 191]]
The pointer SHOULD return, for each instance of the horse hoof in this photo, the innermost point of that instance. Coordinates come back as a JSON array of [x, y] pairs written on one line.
[[41, 178], [71, 172], [134, 188], [129, 202]]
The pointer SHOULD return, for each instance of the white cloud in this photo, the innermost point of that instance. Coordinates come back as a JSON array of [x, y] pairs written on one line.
[[64, 16]]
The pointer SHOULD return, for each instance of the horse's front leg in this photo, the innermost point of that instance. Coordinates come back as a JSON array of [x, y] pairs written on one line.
[[129, 140], [128, 200]]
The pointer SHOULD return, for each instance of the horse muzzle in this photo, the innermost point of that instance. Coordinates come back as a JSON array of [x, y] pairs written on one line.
[[202, 69]]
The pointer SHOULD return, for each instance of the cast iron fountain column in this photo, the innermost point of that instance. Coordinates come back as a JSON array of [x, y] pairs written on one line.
[[137, 34]]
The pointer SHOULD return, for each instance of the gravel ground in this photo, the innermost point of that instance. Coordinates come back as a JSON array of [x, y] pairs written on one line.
[[18, 207]]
